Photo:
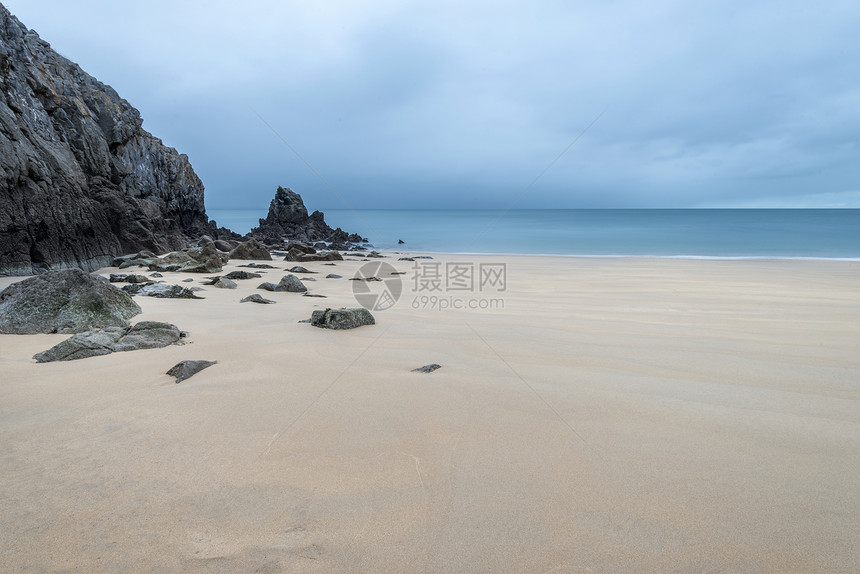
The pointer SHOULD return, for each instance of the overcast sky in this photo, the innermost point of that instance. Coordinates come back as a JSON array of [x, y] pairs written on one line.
[[463, 104]]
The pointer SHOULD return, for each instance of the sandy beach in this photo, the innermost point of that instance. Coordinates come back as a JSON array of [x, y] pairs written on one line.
[[607, 415]]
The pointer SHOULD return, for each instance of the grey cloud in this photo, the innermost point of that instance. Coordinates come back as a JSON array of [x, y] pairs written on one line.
[[402, 104]]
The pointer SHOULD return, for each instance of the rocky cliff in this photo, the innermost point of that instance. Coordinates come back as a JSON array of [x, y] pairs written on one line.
[[80, 180]]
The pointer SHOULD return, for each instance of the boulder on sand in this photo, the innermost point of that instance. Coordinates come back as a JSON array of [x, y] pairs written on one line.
[[289, 283], [242, 275], [63, 301], [224, 283], [321, 256], [251, 249], [143, 335], [161, 291], [342, 318], [292, 284]]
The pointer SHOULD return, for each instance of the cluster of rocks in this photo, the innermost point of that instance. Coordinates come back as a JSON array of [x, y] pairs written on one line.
[[206, 257], [289, 283], [91, 309], [288, 218]]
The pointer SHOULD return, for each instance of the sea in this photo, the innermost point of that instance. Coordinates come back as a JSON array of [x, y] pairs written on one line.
[[691, 233]]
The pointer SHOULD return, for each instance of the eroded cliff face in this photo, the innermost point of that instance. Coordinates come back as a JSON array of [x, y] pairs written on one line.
[[80, 180]]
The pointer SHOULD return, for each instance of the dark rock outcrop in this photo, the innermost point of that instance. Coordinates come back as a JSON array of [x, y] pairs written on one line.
[[321, 256], [187, 369], [251, 249], [342, 318], [80, 180], [63, 301], [143, 335], [288, 219]]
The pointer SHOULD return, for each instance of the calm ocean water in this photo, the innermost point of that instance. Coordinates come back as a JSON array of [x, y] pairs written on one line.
[[815, 233]]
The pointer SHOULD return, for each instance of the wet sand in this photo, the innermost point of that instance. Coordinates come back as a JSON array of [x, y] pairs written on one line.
[[616, 415]]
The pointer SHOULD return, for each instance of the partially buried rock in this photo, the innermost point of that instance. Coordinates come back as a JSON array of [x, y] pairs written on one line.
[[242, 275], [143, 335], [267, 286], [427, 368], [300, 269], [259, 266], [333, 276], [313, 295], [64, 301], [224, 283], [256, 298], [342, 318], [186, 369], [161, 291]]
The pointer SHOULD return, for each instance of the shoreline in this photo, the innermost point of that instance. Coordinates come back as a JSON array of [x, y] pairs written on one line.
[[601, 256]]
